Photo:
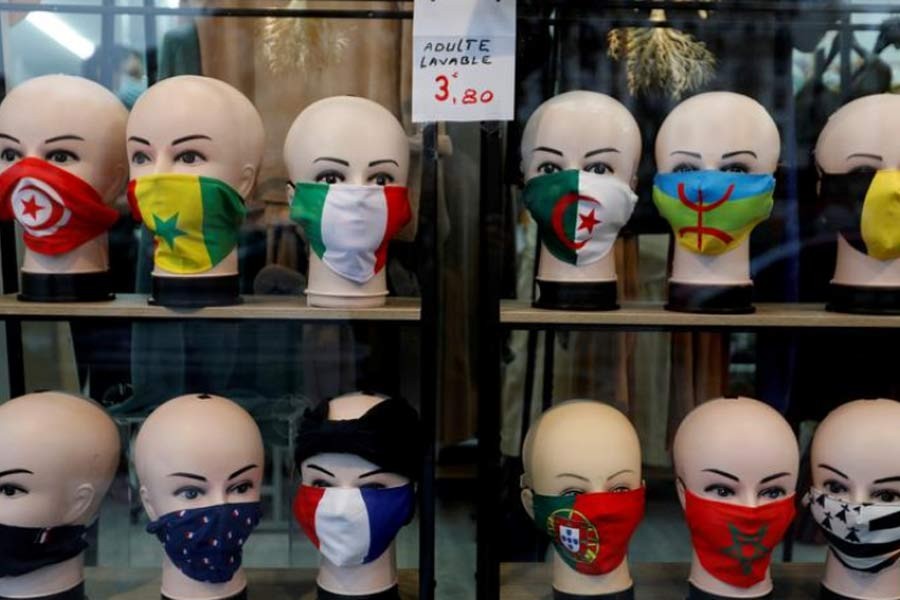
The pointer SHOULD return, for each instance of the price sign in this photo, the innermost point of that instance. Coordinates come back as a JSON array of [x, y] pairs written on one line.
[[464, 60]]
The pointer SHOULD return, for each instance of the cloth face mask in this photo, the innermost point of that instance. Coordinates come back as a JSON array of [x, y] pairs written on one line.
[[734, 543], [864, 537], [207, 544], [712, 212], [590, 531], [194, 220], [24, 550], [353, 526], [579, 214], [349, 226], [865, 209], [58, 211]]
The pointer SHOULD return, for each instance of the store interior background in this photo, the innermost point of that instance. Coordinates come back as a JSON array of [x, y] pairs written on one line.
[[44, 43]]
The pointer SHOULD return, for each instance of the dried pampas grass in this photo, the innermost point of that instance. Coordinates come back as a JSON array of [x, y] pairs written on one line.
[[292, 43]]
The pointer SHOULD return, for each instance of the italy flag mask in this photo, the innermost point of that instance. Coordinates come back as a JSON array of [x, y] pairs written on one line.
[[194, 220]]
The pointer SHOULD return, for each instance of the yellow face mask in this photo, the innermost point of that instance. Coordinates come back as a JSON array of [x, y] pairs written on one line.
[[865, 209]]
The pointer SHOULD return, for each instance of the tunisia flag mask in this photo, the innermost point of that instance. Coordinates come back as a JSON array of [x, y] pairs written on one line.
[[733, 542], [590, 531], [57, 210]]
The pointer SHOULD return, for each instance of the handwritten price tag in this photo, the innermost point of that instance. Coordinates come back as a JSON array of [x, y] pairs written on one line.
[[464, 60]]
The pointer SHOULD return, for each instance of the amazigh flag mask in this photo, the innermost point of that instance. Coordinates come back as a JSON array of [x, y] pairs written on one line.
[[579, 214], [194, 220], [349, 226], [712, 212]]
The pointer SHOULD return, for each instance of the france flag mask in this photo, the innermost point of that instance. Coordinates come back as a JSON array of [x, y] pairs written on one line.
[[353, 526]]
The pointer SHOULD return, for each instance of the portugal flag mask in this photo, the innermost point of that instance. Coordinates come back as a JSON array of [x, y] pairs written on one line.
[[734, 543], [579, 214], [349, 226], [590, 531], [194, 220], [57, 210]]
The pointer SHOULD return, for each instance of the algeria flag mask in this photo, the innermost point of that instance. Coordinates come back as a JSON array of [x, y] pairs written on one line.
[[349, 226], [590, 531], [865, 209], [579, 214], [194, 220], [712, 212], [58, 211]]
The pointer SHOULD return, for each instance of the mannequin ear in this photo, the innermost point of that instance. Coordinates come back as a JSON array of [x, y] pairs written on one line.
[[81, 503], [148, 506], [528, 501], [289, 192], [634, 180], [679, 487], [248, 181]]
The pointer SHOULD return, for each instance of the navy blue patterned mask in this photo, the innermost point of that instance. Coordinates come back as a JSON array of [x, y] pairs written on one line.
[[206, 544]]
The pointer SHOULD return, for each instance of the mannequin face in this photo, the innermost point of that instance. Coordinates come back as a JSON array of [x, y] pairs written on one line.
[[607, 457], [738, 451], [855, 453], [583, 131], [861, 136], [197, 126], [347, 140], [59, 479], [182, 466], [718, 131], [72, 123]]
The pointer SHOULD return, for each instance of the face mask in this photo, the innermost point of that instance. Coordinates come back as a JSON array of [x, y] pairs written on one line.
[[734, 543], [865, 209], [349, 226], [590, 531], [58, 211], [130, 89], [353, 526], [27, 549], [206, 544], [194, 220], [864, 537], [712, 212], [579, 214]]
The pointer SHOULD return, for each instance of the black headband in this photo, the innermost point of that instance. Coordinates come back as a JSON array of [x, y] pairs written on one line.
[[389, 436]]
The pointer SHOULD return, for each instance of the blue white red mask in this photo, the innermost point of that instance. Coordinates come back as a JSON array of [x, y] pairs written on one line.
[[353, 526]]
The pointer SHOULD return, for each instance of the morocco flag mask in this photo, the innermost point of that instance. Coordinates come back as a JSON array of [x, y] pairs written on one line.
[[349, 226], [579, 214], [57, 210], [590, 531]]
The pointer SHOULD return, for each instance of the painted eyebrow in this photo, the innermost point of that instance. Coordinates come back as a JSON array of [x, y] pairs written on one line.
[[865, 155], [723, 474], [188, 138], [16, 472], [241, 471], [320, 469], [60, 138], [547, 149], [370, 473], [882, 480], [139, 140], [833, 470], [774, 477], [619, 473], [600, 151], [573, 475], [739, 152], [686, 153], [9, 137], [331, 159], [188, 476], [383, 161]]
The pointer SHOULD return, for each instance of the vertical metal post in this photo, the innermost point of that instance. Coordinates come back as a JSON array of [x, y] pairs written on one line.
[[107, 50], [151, 51]]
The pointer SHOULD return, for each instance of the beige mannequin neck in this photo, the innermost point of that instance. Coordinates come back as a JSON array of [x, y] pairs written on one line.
[[730, 268], [702, 579], [553, 269], [328, 289], [377, 576], [50, 580], [228, 266], [90, 257], [856, 584], [568, 580], [178, 586], [858, 269]]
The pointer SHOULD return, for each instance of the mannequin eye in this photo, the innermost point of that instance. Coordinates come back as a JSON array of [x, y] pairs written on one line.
[[722, 491], [735, 168], [10, 155], [773, 493], [620, 489], [321, 483], [685, 168], [886, 496], [572, 492], [61, 157], [241, 488], [189, 492], [835, 487], [139, 158], [330, 177], [11, 490], [190, 157], [372, 486], [382, 178], [548, 167], [599, 168]]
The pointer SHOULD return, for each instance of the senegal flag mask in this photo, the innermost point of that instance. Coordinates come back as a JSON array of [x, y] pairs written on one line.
[[349, 226], [712, 212], [865, 209], [579, 214], [194, 220]]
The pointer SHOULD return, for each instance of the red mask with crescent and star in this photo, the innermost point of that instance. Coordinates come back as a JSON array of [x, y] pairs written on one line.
[[58, 211]]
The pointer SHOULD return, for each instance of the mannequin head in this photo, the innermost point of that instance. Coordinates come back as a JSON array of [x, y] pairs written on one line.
[[72, 123], [57, 479], [199, 126], [861, 135]]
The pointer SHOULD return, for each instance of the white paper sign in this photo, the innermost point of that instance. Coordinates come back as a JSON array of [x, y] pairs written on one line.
[[464, 60]]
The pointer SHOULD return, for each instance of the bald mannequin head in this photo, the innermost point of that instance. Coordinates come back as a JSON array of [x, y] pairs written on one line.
[[224, 130], [736, 450], [89, 119], [212, 444], [715, 130], [66, 451], [568, 130], [862, 133]]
